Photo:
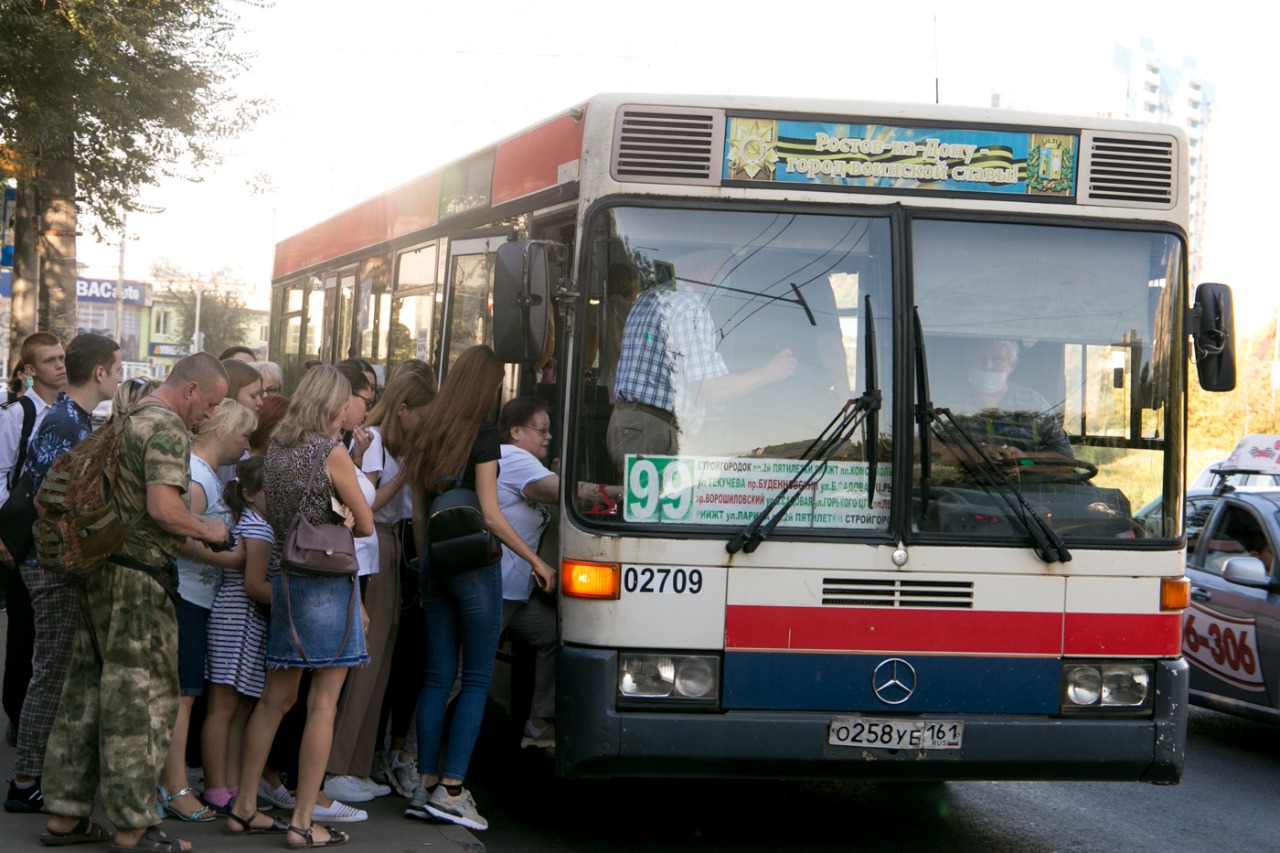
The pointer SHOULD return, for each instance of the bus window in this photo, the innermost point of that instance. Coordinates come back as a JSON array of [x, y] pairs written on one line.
[[471, 265], [728, 342], [1039, 345]]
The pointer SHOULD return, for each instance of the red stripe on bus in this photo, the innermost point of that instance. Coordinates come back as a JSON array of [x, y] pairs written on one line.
[[1129, 634], [857, 629], [532, 161]]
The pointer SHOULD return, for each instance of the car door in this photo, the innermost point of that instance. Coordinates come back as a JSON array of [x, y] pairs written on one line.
[[1231, 631]]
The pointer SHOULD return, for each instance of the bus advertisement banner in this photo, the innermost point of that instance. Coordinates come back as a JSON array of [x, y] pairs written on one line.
[[834, 154], [732, 490]]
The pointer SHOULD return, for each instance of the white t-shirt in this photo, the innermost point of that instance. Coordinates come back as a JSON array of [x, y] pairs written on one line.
[[518, 469], [366, 546], [378, 461], [11, 434], [197, 582]]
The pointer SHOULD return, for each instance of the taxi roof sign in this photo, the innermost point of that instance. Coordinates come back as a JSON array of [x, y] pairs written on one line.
[[1255, 454]]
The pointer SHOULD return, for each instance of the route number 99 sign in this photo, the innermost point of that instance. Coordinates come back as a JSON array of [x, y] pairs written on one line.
[[659, 488]]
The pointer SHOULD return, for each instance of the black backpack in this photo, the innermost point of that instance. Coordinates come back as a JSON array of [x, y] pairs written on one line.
[[19, 512]]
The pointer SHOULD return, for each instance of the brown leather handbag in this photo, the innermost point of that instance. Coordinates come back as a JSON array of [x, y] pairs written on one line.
[[318, 550]]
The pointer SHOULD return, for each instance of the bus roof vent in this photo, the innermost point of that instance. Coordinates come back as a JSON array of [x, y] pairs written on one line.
[[668, 145], [1129, 169], [856, 592]]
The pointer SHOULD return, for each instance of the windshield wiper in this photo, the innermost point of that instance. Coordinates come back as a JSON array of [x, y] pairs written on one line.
[[1048, 544], [862, 411]]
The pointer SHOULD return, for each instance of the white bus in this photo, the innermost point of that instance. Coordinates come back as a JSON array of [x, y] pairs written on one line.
[[853, 402]]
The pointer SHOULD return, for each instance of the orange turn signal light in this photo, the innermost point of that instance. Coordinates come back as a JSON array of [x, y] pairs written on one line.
[[1175, 593], [591, 580]]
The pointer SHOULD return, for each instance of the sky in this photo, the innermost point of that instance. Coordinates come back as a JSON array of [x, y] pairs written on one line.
[[369, 96]]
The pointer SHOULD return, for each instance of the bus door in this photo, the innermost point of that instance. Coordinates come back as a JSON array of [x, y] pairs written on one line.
[[469, 315]]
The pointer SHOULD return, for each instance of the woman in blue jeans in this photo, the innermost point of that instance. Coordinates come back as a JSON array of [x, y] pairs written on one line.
[[463, 607]]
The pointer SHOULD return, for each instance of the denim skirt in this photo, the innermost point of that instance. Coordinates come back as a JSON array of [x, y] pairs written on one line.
[[320, 606]]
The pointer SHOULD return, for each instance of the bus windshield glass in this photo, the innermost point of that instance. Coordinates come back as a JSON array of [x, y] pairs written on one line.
[[717, 346], [1049, 353]]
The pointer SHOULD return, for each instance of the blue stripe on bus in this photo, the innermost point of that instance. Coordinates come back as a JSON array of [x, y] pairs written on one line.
[[823, 682]]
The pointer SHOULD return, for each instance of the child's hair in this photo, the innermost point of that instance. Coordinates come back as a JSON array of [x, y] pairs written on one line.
[[248, 479]]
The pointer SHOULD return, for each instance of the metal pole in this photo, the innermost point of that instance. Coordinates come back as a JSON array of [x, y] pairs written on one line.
[[195, 337], [120, 288]]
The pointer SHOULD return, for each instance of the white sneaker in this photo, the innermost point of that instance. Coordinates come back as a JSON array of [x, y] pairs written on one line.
[[277, 796], [339, 813], [373, 787], [460, 809], [404, 774], [348, 789], [542, 738]]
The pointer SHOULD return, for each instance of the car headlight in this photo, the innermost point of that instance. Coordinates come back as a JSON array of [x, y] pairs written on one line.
[[1106, 686], [646, 679]]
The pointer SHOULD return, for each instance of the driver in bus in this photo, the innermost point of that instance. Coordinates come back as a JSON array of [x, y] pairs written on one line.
[[669, 368], [1009, 419]]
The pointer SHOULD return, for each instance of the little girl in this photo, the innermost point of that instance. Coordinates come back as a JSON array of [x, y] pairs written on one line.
[[236, 667]]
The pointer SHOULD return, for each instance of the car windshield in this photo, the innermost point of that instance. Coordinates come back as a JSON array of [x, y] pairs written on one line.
[[717, 346], [1049, 347]]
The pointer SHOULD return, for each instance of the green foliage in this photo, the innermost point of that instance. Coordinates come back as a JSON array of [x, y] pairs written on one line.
[[137, 89], [1215, 422], [224, 317]]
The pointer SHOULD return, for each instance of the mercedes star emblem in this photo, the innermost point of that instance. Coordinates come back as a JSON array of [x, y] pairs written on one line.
[[894, 680]]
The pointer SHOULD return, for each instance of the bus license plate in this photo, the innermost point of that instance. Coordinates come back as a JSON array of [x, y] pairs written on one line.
[[895, 734]]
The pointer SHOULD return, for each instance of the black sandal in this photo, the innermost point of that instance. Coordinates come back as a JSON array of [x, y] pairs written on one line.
[[277, 826], [335, 838], [155, 840]]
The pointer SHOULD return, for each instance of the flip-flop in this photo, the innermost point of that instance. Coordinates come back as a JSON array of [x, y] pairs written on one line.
[[84, 832], [154, 839], [277, 827]]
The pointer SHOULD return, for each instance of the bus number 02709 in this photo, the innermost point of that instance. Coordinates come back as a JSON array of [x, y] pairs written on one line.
[[677, 581]]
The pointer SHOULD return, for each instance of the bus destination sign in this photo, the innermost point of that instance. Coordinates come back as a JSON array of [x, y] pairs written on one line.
[[833, 154], [733, 490]]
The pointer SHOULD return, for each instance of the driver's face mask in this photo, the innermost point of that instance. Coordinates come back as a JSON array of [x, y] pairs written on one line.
[[987, 381]]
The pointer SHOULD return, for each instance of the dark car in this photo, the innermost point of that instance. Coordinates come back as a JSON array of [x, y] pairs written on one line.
[[1231, 631]]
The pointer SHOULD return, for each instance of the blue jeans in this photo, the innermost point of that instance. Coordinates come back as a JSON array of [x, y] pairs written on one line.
[[466, 610]]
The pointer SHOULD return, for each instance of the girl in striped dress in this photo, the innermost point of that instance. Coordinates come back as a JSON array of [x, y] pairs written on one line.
[[236, 667]]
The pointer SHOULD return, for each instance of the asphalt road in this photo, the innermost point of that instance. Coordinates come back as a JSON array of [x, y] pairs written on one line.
[[1227, 801]]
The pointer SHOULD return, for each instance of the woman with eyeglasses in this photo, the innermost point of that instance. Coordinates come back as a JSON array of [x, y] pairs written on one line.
[[526, 491], [272, 377]]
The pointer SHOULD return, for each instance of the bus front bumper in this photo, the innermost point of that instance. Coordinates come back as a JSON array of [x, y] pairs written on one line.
[[595, 739]]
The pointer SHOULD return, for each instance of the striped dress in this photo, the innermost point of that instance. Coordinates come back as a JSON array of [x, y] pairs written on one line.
[[237, 628]]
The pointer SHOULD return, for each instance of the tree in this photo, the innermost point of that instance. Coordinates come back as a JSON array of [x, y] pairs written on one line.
[[224, 321], [99, 98]]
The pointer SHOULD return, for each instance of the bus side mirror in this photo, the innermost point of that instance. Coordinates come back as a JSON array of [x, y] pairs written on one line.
[[1213, 333], [521, 303]]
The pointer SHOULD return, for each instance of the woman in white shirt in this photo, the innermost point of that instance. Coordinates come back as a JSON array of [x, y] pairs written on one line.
[[526, 490]]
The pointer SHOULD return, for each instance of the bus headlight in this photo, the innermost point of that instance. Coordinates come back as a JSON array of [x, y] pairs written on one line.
[[648, 679], [1106, 686]]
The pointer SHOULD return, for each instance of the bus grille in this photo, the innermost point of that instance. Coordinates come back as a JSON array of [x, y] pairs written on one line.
[[1127, 169], [668, 145], [847, 592]]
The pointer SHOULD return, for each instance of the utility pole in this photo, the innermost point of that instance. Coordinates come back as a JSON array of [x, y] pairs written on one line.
[[124, 228], [195, 337]]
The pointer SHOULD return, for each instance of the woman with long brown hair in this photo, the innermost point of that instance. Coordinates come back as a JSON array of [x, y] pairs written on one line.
[[463, 605]]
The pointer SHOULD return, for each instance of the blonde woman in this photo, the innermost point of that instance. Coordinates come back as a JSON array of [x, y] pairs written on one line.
[[219, 439], [319, 627]]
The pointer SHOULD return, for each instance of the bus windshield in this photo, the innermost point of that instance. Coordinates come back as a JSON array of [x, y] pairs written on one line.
[[718, 345], [1049, 348]]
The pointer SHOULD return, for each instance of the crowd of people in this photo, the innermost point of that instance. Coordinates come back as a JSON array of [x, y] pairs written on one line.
[[104, 674]]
